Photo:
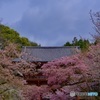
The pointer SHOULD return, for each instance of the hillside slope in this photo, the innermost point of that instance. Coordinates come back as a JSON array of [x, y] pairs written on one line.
[[9, 35]]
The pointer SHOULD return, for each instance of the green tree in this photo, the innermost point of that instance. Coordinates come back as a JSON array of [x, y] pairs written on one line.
[[83, 43], [75, 41], [67, 44], [8, 35]]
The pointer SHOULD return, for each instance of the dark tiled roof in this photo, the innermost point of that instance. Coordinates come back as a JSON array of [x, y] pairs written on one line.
[[47, 53]]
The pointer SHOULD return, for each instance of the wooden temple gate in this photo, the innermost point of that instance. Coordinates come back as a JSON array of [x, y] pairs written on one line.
[[35, 79]]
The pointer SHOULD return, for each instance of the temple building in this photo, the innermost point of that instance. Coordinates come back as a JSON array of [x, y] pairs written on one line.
[[40, 56]]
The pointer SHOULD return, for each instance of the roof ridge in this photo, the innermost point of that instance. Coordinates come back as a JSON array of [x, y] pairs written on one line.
[[50, 46]]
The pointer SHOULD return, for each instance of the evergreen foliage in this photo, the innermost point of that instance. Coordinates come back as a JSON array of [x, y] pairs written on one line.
[[8, 35], [83, 43]]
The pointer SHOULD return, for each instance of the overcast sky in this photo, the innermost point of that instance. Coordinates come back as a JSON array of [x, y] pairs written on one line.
[[49, 22]]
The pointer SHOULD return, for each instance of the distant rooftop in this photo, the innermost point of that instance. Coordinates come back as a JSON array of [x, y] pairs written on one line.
[[44, 54]]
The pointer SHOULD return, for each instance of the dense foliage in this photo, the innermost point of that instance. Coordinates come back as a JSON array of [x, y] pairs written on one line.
[[76, 73], [9, 35], [80, 73], [11, 74], [82, 43]]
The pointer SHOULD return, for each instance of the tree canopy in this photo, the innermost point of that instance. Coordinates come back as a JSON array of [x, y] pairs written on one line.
[[83, 43], [9, 35]]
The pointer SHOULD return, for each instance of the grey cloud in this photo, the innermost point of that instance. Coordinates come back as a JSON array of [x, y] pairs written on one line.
[[53, 22]]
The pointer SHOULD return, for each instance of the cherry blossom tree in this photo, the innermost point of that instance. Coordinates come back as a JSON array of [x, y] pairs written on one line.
[[78, 73]]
